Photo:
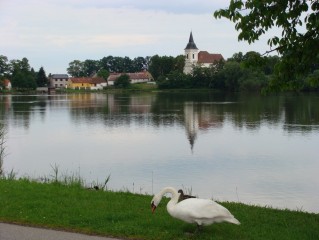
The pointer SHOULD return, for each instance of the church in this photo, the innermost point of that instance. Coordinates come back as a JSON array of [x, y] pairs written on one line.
[[195, 57]]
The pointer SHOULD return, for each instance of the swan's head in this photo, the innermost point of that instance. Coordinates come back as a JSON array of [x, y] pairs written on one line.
[[155, 201]]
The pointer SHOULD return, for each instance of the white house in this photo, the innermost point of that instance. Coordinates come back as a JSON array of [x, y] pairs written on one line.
[[195, 57], [139, 77], [59, 80]]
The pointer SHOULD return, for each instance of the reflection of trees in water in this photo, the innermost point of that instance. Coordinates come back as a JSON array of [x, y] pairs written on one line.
[[204, 109], [20, 109], [301, 113]]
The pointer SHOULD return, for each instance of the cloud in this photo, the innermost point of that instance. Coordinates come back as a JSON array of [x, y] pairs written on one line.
[[176, 6], [52, 33]]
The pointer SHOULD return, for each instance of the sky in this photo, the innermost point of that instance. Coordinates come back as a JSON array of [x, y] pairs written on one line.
[[53, 33]]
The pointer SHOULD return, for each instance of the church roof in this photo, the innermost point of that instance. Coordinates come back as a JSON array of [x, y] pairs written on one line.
[[191, 44], [205, 57]]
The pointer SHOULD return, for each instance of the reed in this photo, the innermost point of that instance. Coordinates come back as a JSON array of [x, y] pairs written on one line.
[[2, 147]]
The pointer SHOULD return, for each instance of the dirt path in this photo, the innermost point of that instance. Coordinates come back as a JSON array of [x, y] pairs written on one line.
[[17, 232]]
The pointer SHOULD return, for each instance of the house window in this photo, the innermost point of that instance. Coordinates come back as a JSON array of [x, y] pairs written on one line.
[[193, 56], [187, 56]]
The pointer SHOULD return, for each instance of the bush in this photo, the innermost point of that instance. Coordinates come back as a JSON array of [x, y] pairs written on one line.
[[122, 81]]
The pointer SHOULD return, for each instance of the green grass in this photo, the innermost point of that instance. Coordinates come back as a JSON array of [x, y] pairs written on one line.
[[127, 215]]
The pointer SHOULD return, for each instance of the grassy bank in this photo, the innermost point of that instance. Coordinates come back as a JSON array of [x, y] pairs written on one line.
[[127, 215]]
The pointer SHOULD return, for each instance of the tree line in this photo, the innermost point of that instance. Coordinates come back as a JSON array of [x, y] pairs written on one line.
[[241, 72], [110, 64], [21, 74]]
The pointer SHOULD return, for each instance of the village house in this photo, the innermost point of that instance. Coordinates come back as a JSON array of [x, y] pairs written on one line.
[[58, 80], [7, 84], [139, 77], [194, 57], [89, 83]]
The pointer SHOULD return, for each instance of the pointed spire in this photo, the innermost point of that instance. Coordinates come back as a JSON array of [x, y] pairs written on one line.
[[191, 44]]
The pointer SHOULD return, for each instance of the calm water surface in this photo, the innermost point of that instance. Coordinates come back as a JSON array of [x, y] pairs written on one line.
[[251, 149]]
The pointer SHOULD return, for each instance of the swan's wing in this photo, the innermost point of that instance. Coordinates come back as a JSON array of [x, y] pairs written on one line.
[[202, 208]]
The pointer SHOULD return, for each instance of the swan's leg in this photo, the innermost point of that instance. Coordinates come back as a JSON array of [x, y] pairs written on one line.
[[199, 228]]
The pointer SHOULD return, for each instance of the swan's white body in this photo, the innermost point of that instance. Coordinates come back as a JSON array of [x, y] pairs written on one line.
[[194, 210]]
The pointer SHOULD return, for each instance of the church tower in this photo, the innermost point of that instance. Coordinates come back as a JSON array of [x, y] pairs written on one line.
[[191, 55]]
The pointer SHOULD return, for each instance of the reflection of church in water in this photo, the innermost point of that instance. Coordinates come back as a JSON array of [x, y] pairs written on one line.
[[191, 123], [199, 119]]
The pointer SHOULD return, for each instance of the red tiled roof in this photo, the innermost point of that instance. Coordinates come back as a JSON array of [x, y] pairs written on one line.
[[6, 82], [94, 80], [138, 75], [205, 57]]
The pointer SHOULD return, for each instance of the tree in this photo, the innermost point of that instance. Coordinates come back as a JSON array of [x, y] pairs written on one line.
[[201, 77], [139, 64], [161, 66], [89, 67], [231, 74], [175, 79], [103, 73], [22, 74], [42, 80], [237, 57], [122, 81], [76, 68], [299, 23], [4, 67]]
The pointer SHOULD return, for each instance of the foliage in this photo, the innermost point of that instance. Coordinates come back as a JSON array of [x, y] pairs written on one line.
[[42, 80], [22, 75], [161, 66], [312, 81], [241, 72], [299, 22], [103, 73], [4, 67], [127, 215], [122, 81], [110, 64], [174, 79], [201, 77], [76, 68]]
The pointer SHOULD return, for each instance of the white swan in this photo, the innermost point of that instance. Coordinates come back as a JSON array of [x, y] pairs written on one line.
[[194, 210]]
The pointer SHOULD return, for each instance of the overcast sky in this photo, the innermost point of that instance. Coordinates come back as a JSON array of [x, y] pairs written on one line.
[[52, 33]]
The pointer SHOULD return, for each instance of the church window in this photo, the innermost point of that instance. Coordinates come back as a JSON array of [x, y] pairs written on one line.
[[193, 56]]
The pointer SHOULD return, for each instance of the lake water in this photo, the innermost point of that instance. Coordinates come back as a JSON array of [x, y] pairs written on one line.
[[254, 149]]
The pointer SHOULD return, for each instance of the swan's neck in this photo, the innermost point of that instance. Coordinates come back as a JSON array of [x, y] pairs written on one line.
[[172, 191], [174, 199]]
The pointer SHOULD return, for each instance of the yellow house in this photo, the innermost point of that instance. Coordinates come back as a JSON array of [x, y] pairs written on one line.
[[92, 83]]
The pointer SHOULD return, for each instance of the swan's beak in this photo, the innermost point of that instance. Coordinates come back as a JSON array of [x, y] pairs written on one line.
[[153, 206]]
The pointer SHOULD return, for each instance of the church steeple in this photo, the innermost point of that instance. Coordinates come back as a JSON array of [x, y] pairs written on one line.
[[191, 44], [191, 55]]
